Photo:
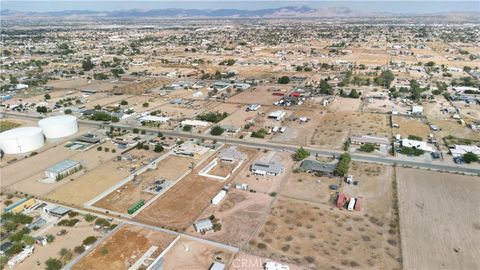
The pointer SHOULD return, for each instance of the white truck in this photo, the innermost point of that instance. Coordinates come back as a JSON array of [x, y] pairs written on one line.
[[351, 204]]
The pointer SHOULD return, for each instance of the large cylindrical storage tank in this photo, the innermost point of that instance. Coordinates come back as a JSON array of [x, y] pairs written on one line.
[[59, 126], [21, 140]]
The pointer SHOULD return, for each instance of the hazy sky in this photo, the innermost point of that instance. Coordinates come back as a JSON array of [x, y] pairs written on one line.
[[411, 6]]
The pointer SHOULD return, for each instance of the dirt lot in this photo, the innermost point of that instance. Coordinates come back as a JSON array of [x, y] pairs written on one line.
[[261, 94], [91, 184], [222, 168], [124, 248], [317, 235], [411, 126], [183, 203], [334, 128], [194, 255], [74, 237], [172, 167], [307, 186], [240, 213], [436, 218]]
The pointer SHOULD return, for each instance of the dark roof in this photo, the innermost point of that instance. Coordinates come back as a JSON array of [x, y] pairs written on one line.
[[316, 166]]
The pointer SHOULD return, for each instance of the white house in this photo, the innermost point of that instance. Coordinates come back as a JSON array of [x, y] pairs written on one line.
[[277, 115], [417, 145]]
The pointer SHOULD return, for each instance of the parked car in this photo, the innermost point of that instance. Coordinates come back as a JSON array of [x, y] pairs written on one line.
[[333, 187], [435, 155], [458, 160], [349, 179]]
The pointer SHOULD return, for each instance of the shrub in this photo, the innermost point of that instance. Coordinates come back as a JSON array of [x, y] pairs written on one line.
[[217, 130], [187, 128], [135, 130], [50, 238], [411, 151], [301, 154], [158, 148], [99, 148], [414, 137], [73, 213], [283, 80], [259, 133], [368, 147], [90, 218], [53, 264], [89, 240], [213, 117], [79, 249], [145, 104], [343, 165], [470, 157]]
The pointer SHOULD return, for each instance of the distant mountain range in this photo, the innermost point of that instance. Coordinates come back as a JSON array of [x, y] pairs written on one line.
[[291, 11], [283, 12]]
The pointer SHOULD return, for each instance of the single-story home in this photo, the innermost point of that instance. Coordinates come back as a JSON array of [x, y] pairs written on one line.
[[231, 154], [460, 150], [266, 168], [417, 145], [314, 166]]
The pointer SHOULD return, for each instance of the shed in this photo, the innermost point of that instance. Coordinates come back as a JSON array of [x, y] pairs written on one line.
[[203, 225]]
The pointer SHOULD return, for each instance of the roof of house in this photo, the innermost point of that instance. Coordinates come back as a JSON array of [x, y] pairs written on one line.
[[63, 166], [217, 266], [316, 166], [204, 224], [155, 118], [59, 210], [277, 114], [417, 144], [271, 167], [231, 153]]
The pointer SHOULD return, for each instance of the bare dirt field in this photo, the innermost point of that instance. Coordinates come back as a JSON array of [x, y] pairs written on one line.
[[183, 203], [94, 182], [384, 105], [194, 255], [411, 126], [222, 168], [258, 95], [318, 235], [240, 213], [437, 218], [172, 167], [335, 127], [345, 104], [122, 249], [240, 117], [307, 186], [298, 132], [74, 237]]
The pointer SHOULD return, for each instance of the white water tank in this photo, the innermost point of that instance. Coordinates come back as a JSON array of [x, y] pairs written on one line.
[[21, 140], [59, 126]]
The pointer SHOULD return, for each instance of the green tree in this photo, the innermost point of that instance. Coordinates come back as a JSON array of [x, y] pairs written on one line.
[[284, 80], [470, 157], [87, 64], [368, 147], [187, 128], [343, 165], [158, 148], [217, 130], [47, 96], [42, 109], [145, 104], [123, 102], [301, 154], [89, 240], [53, 264], [68, 111]]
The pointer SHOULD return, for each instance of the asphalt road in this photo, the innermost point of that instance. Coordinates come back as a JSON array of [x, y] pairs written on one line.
[[281, 147]]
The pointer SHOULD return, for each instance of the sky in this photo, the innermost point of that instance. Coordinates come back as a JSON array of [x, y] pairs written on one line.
[[409, 6]]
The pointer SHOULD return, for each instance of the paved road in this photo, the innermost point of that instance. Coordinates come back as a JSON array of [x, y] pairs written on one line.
[[282, 147]]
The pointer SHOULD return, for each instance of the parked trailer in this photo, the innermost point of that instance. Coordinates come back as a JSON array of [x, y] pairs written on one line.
[[340, 200], [351, 204], [358, 205], [282, 130], [132, 209]]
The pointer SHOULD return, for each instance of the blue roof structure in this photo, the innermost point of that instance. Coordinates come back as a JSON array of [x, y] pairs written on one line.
[[63, 166]]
